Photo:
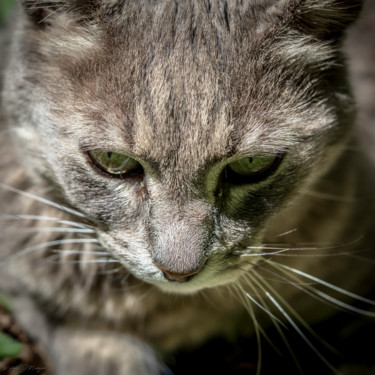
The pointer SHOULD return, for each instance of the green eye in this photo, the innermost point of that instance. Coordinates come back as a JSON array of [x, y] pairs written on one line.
[[251, 169], [115, 164]]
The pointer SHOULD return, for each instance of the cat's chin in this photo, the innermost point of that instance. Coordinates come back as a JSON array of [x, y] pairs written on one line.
[[198, 283]]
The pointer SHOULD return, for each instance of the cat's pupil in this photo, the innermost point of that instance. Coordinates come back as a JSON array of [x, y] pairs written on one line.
[[109, 154]]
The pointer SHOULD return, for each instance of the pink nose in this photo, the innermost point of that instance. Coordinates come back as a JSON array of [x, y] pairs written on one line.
[[177, 276]]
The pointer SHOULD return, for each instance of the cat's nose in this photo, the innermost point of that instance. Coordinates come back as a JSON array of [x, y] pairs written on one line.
[[179, 277]]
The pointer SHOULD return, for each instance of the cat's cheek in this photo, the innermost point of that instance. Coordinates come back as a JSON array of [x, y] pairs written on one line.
[[132, 253]]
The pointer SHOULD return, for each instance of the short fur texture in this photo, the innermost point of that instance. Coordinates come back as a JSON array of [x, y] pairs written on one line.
[[185, 88]]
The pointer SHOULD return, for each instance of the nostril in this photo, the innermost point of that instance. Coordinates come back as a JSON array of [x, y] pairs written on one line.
[[180, 277]]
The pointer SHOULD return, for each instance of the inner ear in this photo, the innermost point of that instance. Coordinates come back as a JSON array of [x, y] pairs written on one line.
[[45, 13]]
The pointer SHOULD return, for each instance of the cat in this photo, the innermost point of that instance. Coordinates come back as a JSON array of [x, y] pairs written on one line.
[[175, 172]]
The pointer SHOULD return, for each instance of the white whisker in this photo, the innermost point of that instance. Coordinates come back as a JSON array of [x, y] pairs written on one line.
[[325, 283], [288, 232], [326, 297], [54, 230], [110, 272], [301, 334], [258, 329], [330, 197], [264, 309], [56, 258], [307, 288], [44, 245], [43, 218], [79, 252], [280, 250], [363, 259], [42, 200], [260, 281], [80, 261], [277, 325]]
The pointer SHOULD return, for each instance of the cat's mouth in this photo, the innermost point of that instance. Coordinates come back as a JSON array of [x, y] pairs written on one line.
[[216, 271]]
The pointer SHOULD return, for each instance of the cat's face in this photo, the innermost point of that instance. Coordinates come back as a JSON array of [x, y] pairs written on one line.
[[179, 131]]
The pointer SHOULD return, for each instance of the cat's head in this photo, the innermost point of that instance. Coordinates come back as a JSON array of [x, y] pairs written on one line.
[[180, 128]]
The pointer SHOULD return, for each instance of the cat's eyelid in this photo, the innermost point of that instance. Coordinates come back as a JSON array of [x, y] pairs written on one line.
[[261, 148], [86, 147], [280, 154]]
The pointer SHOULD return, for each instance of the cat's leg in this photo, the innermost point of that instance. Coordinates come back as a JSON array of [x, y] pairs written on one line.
[[83, 352], [76, 351]]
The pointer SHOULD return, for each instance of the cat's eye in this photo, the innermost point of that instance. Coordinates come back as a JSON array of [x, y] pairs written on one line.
[[251, 169], [115, 164]]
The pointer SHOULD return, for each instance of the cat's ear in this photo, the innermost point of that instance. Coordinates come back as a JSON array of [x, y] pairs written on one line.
[[44, 12], [325, 19]]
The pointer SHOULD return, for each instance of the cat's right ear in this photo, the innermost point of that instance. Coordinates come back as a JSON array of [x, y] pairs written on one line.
[[46, 13]]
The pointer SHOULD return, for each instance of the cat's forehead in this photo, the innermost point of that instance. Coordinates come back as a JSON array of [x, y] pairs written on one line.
[[185, 83]]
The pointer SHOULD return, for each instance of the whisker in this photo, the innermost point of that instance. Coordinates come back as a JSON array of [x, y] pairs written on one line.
[[325, 283], [260, 281], [54, 230], [278, 278], [264, 309], [79, 252], [303, 286], [42, 200], [280, 250], [240, 294], [75, 224], [110, 272], [334, 301], [330, 197], [288, 232], [43, 245], [281, 254], [300, 332], [44, 218], [258, 329], [363, 259], [287, 248], [278, 328], [80, 261]]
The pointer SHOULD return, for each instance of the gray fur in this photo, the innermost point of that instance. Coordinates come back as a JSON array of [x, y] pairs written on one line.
[[184, 87]]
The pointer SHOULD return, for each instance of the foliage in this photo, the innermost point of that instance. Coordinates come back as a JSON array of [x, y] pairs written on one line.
[[9, 347], [5, 7]]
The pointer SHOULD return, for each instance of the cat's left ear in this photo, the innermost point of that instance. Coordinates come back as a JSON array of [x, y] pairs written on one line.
[[325, 19]]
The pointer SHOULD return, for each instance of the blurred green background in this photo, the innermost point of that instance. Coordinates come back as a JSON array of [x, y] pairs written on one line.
[[9, 347], [5, 8]]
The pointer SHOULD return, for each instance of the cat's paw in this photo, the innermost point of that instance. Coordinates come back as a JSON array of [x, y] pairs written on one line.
[[78, 352]]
